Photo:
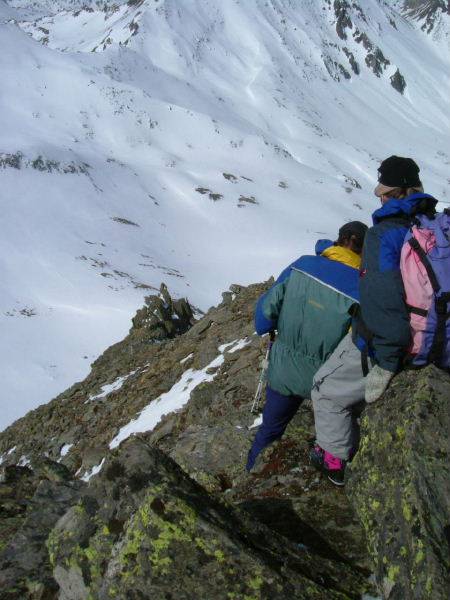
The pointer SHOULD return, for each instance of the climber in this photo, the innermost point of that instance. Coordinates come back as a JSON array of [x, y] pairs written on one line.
[[380, 334], [309, 307]]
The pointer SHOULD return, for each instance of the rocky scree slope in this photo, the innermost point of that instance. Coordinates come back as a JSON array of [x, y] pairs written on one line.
[[289, 522], [171, 510]]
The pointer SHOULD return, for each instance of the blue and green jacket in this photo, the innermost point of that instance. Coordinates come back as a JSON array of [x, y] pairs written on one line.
[[309, 307], [383, 316]]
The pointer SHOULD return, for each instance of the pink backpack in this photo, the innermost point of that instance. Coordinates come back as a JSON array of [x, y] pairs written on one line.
[[425, 268]]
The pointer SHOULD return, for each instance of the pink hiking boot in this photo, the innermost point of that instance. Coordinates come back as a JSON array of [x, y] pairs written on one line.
[[329, 464]]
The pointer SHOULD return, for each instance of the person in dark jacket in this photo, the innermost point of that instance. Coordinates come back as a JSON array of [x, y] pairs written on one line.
[[381, 330], [309, 307]]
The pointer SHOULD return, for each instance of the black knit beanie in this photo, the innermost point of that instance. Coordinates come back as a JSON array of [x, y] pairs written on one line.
[[397, 171]]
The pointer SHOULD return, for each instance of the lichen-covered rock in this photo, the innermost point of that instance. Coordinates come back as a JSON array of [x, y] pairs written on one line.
[[144, 529], [31, 503], [400, 486], [209, 437]]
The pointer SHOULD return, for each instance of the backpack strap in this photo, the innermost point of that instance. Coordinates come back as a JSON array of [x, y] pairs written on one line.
[[361, 329], [422, 312]]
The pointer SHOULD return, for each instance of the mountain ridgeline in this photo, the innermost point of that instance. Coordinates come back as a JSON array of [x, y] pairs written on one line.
[[150, 131], [101, 499]]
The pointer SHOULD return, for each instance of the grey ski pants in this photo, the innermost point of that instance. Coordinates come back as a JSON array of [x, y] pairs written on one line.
[[338, 399]]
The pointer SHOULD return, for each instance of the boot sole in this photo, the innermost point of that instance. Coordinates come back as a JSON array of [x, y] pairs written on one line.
[[334, 482]]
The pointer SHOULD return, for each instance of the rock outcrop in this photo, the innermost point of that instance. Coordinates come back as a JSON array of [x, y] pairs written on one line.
[[209, 438], [400, 486], [162, 317], [31, 502], [172, 513], [144, 529]]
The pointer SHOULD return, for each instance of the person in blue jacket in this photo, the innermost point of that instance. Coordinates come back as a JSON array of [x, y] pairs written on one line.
[[364, 363], [309, 306]]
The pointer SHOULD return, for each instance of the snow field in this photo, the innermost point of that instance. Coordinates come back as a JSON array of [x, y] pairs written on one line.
[[213, 148]]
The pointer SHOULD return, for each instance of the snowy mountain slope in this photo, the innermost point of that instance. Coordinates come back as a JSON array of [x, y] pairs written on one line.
[[196, 143]]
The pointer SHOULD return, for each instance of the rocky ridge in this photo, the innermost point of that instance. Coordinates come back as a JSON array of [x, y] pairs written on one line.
[[400, 486], [171, 510], [208, 438]]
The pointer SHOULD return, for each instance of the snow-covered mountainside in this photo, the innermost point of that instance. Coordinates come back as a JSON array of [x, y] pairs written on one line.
[[196, 142]]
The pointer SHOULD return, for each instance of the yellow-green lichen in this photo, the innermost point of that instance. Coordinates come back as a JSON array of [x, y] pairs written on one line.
[[406, 510], [219, 556], [179, 528], [420, 554], [256, 583], [375, 504], [393, 572], [374, 476], [420, 557], [79, 508], [54, 541], [401, 433]]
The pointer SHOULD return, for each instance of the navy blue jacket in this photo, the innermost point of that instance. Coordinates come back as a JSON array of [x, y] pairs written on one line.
[[383, 308]]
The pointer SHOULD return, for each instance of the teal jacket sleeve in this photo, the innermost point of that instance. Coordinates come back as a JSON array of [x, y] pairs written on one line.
[[268, 308]]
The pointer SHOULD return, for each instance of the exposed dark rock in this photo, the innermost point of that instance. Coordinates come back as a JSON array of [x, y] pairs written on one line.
[[230, 177], [427, 11], [144, 529], [11, 160], [362, 38], [398, 82], [35, 501], [212, 195], [352, 60], [247, 200], [377, 61], [398, 481], [209, 437], [124, 221], [400, 486], [163, 317], [18, 161], [335, 69], [343, 20]]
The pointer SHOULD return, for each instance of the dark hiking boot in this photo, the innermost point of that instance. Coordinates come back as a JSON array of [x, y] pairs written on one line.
[[336, 476], [334, 468]]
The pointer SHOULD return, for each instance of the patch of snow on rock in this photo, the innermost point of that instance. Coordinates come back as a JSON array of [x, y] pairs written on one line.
[[95, 469], [111, 387], [65, 449], [169, 402]]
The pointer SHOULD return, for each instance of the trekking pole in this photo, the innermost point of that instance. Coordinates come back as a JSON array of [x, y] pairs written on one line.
[[262, 376]]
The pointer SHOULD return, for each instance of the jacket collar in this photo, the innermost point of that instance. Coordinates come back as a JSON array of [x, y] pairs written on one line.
[[322, 245], [343, 255], [405, 207]]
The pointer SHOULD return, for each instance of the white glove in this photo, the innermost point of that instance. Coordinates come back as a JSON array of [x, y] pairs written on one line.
[[376, 383]]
